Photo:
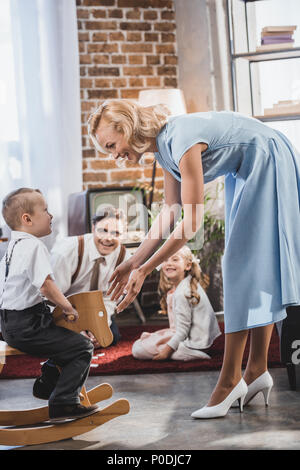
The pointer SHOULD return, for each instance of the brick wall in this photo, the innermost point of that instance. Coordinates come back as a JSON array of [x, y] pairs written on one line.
[[125, 46]]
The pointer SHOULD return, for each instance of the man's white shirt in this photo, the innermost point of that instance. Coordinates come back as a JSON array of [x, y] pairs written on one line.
[[64, 260]]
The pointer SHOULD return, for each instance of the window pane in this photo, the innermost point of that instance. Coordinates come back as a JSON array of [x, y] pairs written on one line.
[[278, 13], [8, 107], [290, 129]]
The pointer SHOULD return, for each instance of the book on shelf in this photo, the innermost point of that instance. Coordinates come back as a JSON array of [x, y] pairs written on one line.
[[276, 37], [277, 33], [274, 47], [284, 107], [278, 29], [276, 40]]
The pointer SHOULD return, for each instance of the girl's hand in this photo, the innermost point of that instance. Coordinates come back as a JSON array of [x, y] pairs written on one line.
[[119, 279], [164, 354], [132, 288]]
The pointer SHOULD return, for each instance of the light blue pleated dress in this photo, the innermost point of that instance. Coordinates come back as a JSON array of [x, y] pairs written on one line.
[[261, 262]]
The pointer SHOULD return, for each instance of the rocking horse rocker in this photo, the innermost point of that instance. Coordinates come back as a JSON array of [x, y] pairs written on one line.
[[32, 426]]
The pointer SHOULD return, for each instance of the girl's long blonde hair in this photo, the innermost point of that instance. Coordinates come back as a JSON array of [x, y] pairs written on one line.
[[137, 123], [196, 277]]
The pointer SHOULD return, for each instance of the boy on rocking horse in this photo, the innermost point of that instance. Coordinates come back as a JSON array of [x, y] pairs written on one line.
[[26, 321]]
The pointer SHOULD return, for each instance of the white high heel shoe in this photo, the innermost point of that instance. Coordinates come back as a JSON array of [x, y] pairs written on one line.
[[237, 393], [264, 384]]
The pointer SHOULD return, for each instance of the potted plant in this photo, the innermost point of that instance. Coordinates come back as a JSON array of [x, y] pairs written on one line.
[[209, 245]]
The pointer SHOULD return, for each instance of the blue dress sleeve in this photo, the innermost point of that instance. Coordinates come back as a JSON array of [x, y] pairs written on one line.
[[187, 130]]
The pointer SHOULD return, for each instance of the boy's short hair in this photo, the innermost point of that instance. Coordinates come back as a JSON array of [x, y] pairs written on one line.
[[108, 212], [17, 203]]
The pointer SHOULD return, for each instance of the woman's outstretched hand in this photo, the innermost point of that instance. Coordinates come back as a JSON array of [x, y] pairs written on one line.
[[130, 285], [119, 280]]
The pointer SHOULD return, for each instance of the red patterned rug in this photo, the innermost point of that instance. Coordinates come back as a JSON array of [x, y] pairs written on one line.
[[117, 360]]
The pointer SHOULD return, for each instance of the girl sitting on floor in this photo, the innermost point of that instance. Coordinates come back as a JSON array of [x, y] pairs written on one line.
[[193, 324]]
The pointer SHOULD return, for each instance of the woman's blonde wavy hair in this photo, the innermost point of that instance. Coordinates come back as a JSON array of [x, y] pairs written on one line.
[[137, 123], [196, 277]]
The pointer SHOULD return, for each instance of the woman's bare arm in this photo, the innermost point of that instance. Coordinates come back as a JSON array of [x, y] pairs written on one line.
[[163, 224], [192, 197], [160, 229]]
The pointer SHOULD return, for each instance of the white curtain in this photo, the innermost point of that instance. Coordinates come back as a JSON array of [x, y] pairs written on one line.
[[47, 151]]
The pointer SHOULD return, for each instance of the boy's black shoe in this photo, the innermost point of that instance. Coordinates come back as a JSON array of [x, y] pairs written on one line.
[[46, 383], [62, 413]]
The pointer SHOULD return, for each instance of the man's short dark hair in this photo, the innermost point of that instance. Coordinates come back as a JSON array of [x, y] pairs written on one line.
[[109, 212]]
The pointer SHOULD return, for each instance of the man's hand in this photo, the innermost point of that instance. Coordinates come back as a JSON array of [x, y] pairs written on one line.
[[92, 338]]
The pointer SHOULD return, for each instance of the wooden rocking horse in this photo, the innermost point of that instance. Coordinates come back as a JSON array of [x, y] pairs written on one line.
[[28, 427]]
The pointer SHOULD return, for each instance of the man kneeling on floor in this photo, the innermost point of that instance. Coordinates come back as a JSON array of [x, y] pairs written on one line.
[[86, 263]]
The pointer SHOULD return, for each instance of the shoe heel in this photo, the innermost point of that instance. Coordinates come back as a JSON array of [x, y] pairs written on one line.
[[241, 402], [266, 393]]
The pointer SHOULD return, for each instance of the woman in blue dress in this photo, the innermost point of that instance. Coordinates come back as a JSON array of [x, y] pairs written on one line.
[[261, 261]]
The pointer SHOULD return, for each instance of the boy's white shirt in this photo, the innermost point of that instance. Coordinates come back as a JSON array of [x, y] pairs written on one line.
[[30, 265], [64, 260], [196, 325]]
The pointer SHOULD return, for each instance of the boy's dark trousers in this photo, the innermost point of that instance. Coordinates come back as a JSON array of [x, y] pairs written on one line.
[[33, 332]]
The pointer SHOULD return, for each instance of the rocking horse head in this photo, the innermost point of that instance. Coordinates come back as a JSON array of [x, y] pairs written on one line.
[[92, 316]]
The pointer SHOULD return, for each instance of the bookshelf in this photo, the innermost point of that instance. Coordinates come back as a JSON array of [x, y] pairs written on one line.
[[279, 117], [269, 55], [244, 77]]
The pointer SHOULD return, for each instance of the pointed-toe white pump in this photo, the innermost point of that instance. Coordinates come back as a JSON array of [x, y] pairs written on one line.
[[264, 384], [239, 393]]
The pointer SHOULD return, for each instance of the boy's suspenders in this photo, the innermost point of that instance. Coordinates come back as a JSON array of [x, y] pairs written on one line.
[[7, 264], [8, 258], [80, 256]]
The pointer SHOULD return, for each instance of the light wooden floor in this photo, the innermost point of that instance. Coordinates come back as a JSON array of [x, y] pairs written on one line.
[[159, 419]]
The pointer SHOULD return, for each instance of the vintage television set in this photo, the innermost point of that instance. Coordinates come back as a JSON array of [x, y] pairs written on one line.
[[84, 205]]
